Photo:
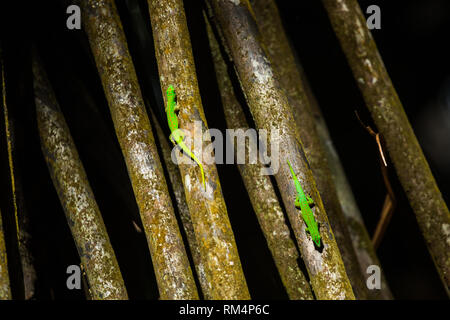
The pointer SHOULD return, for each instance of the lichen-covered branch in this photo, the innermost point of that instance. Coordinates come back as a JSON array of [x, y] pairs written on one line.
[[392, 122], [110, 50], [76, 196], [223, 270], [176, 184], [271, 111], [283, 62], [260, 189]]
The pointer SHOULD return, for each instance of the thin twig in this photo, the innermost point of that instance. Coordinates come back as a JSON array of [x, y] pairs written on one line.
[[390, 200]]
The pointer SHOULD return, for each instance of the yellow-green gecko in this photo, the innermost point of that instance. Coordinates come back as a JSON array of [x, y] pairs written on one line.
[[304, 203], [176, 135]]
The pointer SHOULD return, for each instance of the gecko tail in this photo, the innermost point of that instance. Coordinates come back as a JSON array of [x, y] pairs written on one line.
[[290, 168], [203, 177], [201, 170]]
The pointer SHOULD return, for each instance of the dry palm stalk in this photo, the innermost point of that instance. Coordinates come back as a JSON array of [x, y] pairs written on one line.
[[283, 62], [76, 196], [271, 111], [390, 118], [260, 189], [177, 186], [223, 270], [110, 50]]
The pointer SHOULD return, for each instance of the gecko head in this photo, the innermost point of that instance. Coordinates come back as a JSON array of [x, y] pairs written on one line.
[[170, 90]]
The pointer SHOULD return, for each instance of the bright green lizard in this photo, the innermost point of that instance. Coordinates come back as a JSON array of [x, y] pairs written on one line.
[[304, 203], [177, 135]]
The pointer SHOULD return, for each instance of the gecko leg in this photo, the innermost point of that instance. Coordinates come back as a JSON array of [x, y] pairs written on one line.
[[310, 201], [297, 202], [176, 136]]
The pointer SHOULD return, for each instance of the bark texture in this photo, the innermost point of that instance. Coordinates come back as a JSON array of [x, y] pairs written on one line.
[[390, 118], [132, 126]]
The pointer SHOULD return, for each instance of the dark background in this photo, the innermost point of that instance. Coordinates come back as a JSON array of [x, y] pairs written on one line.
[[412, 42]]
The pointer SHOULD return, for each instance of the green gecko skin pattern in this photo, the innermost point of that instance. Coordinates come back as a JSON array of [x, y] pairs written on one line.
[[304, 203], [177, 135]]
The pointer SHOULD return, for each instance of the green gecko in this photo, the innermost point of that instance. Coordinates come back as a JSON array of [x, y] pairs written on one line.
[[304, 203], [177, 135]]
